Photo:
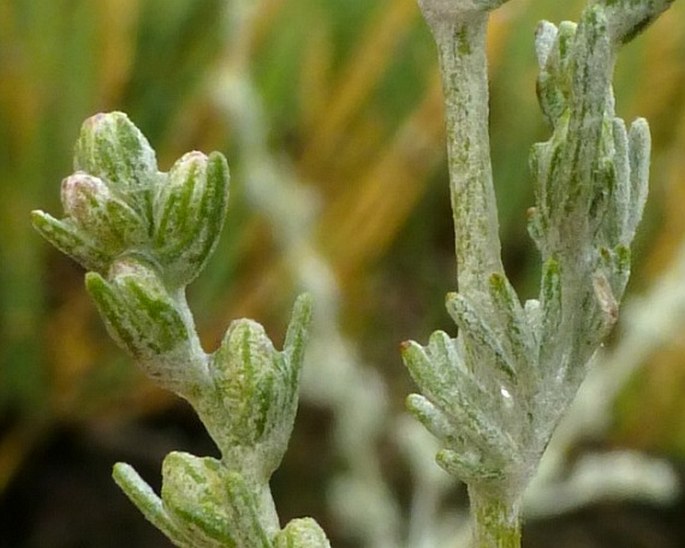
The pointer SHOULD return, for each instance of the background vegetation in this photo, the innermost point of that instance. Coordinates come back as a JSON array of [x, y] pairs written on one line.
[[353, 106]]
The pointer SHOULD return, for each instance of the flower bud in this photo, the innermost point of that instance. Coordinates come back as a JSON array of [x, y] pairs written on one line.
[[111, 148], [108, 221], [246, 371], [189, 211], [256, 390]]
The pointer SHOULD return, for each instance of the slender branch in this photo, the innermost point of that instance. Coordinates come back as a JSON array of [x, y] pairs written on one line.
[[461, 47]]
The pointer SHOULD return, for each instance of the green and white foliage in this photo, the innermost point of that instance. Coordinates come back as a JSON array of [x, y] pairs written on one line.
[[494, 394], [144, 235]]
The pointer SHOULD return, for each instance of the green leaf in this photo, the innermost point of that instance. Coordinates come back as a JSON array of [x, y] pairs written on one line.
[[149, 504], [553, 47], [194, 494], [141, 314], [590, 97], [551, 306], [439, 371], [437, 381], [480, 335], [514, 328], [435, 421], [70, 241], [615, 225], [144, 320], [298, 328], [639, 150], [453, 414]]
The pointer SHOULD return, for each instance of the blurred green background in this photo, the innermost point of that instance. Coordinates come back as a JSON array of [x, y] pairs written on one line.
[[352, 101]]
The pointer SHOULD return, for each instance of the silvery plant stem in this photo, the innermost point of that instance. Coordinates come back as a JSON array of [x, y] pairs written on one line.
[[461, 50], [494, 394]]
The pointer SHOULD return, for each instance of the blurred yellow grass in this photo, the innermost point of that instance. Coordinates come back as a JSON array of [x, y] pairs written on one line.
[[358, 79], [117, 25]]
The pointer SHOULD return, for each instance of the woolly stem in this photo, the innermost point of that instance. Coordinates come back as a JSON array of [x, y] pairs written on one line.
[[496, 520], [463, 64]]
